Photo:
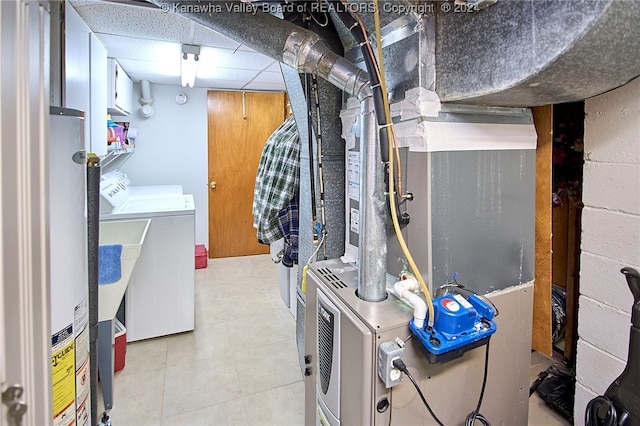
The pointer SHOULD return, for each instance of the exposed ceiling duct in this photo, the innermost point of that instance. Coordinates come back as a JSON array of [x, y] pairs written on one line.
[[514, 53], [306, 52], [526, 53]]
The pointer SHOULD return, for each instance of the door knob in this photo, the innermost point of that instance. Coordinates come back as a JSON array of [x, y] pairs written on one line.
[[213, 184]]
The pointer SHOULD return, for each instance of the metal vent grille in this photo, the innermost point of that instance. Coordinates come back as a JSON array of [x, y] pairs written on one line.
[[300, 315], [332, 278], [325, 346]]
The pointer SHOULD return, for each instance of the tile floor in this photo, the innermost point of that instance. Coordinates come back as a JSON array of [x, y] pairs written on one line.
[[239, 366]]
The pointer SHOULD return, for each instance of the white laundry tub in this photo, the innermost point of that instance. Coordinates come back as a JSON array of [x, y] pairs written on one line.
[[131, 234]]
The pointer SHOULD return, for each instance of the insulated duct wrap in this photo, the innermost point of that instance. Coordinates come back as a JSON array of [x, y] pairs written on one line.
[[513, 53], [93, 237], [518, 53]]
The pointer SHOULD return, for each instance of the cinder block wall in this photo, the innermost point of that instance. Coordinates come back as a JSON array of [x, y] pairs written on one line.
[[610, 239]]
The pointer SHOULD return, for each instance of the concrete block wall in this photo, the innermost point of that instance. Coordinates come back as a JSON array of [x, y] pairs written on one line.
[[610, 239]]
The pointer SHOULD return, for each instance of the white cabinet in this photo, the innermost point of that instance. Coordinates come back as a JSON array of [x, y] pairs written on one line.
[[160, 298], [76, 64], [85, 76], [98, 116], [120, 89]]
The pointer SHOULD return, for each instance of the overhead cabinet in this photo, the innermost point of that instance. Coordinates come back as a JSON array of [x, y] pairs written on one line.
[[120, 89], [98, 95]]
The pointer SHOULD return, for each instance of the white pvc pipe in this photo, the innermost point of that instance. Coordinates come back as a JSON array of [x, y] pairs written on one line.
[[403, 289], [146, 98]]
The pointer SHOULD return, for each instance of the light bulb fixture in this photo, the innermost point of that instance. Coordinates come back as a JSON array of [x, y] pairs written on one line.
[[190, 56]]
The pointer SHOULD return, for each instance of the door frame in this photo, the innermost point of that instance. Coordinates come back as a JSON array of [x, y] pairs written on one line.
[[541, 337], [25, 339]]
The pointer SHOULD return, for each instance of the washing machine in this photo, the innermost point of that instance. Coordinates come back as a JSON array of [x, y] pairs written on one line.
[[160, 298]]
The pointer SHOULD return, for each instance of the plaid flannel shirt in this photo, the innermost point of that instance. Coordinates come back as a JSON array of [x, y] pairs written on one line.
[[288, 223], [277, 180]]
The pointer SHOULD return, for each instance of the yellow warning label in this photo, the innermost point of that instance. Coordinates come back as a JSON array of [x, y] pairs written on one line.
[[63, 379]]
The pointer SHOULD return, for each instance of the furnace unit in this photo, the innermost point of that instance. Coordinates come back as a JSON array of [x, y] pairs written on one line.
[[345, 357]]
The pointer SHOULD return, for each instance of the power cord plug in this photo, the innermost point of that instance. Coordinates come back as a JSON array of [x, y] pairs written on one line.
[[400, 365]]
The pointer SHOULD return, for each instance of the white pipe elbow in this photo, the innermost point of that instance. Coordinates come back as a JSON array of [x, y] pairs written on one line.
[[419, 306], [410, 282], [419, 310]]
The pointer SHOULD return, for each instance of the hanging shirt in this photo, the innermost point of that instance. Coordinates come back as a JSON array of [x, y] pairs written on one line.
[[277, 180], [288, 223]]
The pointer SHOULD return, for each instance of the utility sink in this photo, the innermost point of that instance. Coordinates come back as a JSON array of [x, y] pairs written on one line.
[[131, 234]]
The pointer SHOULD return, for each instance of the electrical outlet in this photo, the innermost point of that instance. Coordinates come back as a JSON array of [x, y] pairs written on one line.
[[387, 353]]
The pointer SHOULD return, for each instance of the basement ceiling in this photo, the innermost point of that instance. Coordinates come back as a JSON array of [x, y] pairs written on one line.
[[147, 43]]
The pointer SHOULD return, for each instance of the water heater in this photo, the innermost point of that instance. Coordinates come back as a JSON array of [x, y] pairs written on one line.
[[70, 366]]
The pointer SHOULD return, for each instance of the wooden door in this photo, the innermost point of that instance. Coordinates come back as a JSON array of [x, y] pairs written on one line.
[[239, 124], [541, 332]]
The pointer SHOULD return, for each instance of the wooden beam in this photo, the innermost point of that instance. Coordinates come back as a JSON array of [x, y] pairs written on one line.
[[541, 338]]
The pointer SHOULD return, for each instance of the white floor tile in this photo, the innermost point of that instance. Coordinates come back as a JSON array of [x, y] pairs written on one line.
[[199, 384], [280, 406], [266, 367], [230, 413]]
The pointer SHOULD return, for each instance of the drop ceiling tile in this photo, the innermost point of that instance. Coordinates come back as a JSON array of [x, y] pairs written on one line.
[[220, 84], [141, 22], [162, 79], [269, 77], [149, 70], [204, 36], [265, 87], [227, 74], [121, 47], [274, 67], [147, 43], [226, 58]]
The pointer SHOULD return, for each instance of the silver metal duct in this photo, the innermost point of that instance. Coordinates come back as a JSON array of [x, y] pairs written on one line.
[[306, 52], [332, 150], [372, 241], [516, 53]]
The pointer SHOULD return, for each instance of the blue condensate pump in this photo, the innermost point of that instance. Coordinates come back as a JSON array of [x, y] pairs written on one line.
[[460, 324]]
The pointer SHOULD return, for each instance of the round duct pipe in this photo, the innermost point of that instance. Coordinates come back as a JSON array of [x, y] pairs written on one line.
[[146, 110]]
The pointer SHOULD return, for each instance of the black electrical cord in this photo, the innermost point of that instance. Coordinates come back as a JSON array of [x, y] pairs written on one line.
[[400, 365], [390, 405], [474, 415], [370, 63], [592, 417], [307, 84]]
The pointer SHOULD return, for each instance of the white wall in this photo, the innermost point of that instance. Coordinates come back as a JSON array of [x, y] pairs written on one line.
[[610, 239], [171, 147]]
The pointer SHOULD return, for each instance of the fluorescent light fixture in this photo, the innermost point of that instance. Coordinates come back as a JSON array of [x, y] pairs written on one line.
[[190, 57]]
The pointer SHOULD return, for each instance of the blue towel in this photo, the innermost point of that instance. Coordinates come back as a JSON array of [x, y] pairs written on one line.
[[109, 267]]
